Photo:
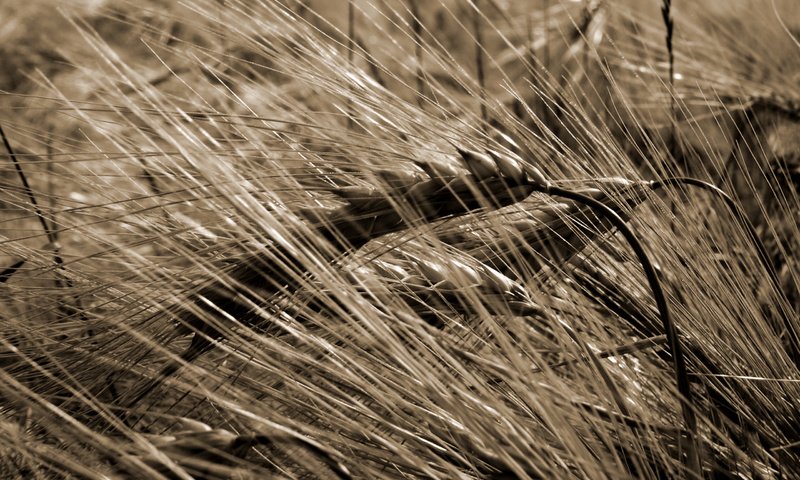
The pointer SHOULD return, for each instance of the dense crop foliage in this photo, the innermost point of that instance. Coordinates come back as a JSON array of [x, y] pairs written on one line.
[[399, 239]]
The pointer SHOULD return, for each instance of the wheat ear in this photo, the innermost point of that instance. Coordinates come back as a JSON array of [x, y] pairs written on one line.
[[366, 215]]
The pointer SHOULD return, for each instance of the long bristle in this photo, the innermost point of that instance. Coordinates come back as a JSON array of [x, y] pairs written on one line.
[[321, 239]]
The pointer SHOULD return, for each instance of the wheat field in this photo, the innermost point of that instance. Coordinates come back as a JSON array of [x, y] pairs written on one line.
[[452, 239]]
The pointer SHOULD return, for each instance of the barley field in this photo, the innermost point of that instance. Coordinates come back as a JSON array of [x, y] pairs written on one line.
[[368, 239]]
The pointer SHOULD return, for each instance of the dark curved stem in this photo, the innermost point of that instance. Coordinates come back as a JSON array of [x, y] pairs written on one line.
[[7, 272], [763, 256], [671, 331], [737, 212]]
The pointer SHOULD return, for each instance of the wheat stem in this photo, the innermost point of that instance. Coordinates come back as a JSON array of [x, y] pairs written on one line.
[[679, 363]]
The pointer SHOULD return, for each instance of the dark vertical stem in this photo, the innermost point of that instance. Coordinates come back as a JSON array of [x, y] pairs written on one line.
[[476, 27], [585, 39], [53, 237], [27, 188], [531, 51], [50, 231], [351, 30], [666, 13], [416, 28], [530, 62], [546, 29], [672, 166], [50, 187], [549, 93], [351, 33]]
